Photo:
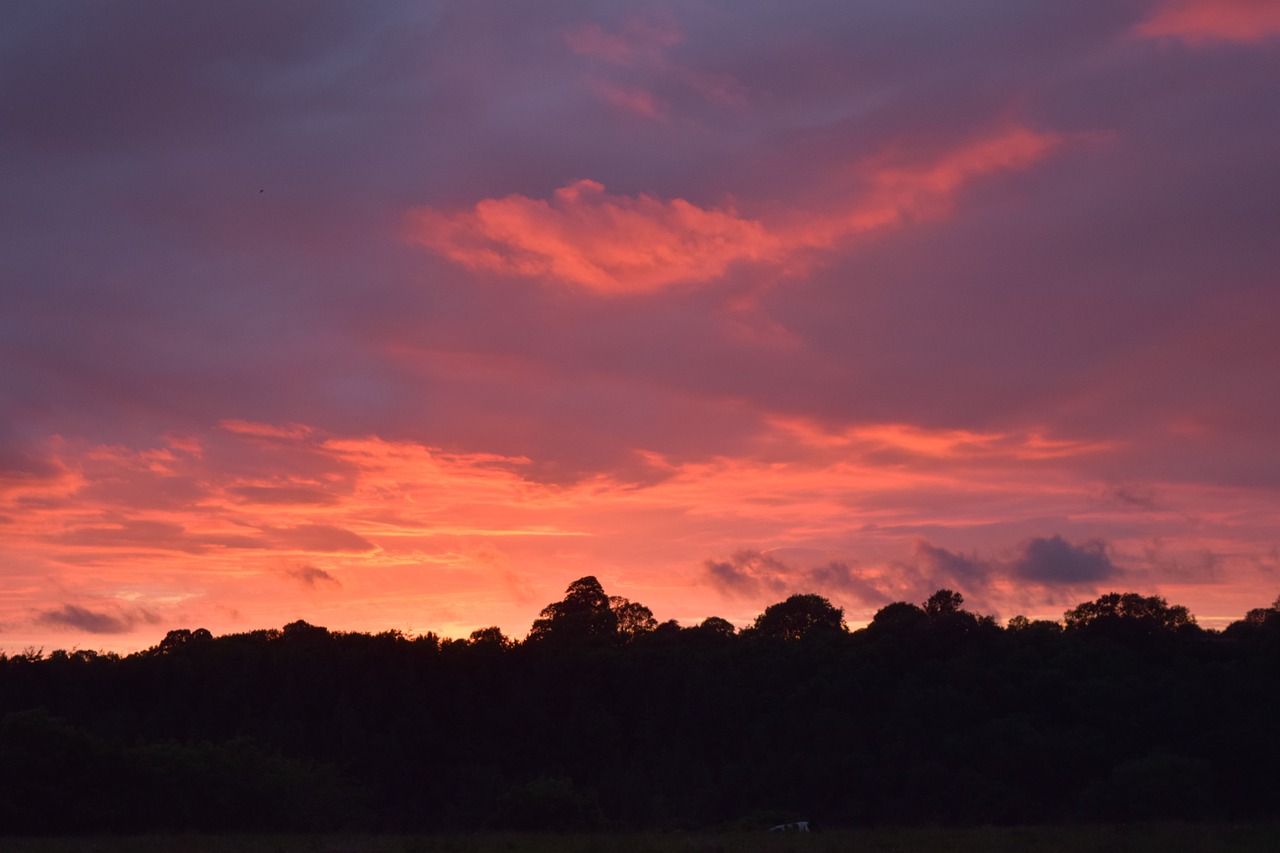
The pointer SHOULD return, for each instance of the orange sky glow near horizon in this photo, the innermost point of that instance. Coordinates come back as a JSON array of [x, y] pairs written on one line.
[[398, 319]]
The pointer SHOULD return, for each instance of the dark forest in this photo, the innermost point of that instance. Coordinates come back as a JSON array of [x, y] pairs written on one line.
[[604, 718]]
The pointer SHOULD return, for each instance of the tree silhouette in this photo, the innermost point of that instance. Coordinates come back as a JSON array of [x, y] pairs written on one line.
[[583, 616], [1128, 611], [717, 626], [900, 617], [907, 721], [633, 618], [945, 614], [942, 603], [490, 637], [1019, 623], [798, 617]]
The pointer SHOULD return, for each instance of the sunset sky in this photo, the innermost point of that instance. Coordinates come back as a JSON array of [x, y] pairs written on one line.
[[406, 315]]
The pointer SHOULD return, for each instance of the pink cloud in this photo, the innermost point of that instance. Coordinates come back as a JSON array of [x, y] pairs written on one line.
[[899, 193], [585, 236], [630, 98], [418, 533], [1200, 21], [805, 372]]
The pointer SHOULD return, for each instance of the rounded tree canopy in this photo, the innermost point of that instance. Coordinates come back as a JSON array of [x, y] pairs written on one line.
[[898, 617], [798, 617], [490, 637], [1152, 612]]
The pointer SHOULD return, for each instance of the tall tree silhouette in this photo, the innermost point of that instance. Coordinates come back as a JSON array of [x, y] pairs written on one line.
[[583, 616]]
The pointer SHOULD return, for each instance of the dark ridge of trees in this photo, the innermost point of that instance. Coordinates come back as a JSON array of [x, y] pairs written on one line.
[[603, 717]]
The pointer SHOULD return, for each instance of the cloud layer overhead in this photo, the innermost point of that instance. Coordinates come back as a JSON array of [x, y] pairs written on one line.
[[407, 316]]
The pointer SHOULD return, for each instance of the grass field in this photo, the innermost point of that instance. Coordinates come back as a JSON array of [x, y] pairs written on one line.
[[1165, 838]]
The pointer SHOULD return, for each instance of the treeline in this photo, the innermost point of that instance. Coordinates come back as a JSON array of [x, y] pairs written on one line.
[[602, 717]]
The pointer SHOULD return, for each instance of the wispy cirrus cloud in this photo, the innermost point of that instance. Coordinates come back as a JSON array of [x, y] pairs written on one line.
[[635, 59], [640, 41]]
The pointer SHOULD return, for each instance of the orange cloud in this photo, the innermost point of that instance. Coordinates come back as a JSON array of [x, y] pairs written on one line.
[[1199, 21], [901, 193], [618, 244], [585, 236], [414, 536], [946, 444]]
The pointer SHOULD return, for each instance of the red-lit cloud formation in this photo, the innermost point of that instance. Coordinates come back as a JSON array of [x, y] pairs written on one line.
[[1199, 21], [586, 237], [405, 317]]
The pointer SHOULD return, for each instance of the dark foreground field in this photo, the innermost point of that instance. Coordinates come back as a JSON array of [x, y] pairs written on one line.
[[1165, 838]]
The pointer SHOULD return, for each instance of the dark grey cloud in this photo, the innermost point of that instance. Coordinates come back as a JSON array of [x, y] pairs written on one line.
[[1054, 561], [942, 568], [311, 576], [748, 574], [95, 622], [1139, 496], [1057, 568], [840, 578], [752, 574]]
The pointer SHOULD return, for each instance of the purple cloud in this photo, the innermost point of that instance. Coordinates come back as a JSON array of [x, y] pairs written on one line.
[[1054, 561], [211, 276]]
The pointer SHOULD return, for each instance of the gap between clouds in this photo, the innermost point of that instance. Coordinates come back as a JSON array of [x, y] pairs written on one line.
[[616, 244]]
